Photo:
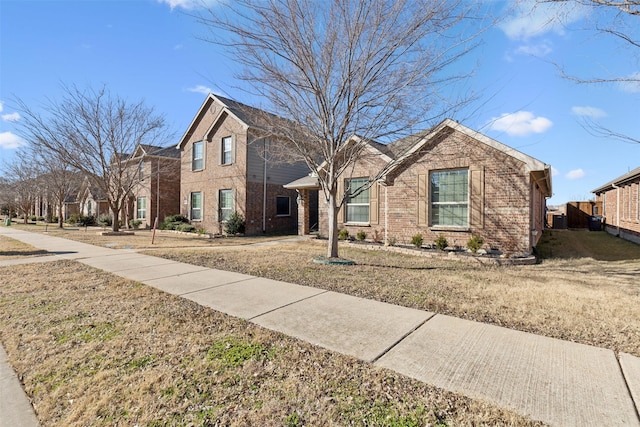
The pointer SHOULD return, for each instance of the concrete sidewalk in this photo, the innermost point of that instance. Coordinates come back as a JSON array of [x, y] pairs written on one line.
[[558, 382]]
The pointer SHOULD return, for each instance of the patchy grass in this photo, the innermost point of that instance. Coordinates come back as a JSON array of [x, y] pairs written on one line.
[[578, 296], [93, 349], [142, 238], [13, 249]]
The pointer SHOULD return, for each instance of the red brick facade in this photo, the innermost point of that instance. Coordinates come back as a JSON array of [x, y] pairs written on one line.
[[620, 200], [256, 184], [160, 189], [507, 193]]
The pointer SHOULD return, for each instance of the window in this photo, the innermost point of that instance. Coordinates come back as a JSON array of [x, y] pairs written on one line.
[[283, 206], [450, 198], [141, 208], [197, 156], [89, 208], [196, 206], [226, 204], [227, 146], [141, 171], [357, 200]]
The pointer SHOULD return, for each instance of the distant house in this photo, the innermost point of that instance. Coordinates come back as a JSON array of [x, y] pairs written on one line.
[[225, 168], [620, 200], [449, 181], [157, 189], [87, 201]]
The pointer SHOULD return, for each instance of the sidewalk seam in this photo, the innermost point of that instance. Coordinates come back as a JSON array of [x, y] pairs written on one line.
[[250, 319], [626, 384], [402, 338], [210, 287]]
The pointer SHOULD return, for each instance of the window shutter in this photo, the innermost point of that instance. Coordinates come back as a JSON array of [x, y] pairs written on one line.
[[423, 202], [477, 196], [233, 150], [373, 203]]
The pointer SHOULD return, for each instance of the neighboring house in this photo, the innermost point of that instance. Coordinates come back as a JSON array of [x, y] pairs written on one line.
[[88, 201], [157, 191], [449, 181], [225, 169], [620, 200]]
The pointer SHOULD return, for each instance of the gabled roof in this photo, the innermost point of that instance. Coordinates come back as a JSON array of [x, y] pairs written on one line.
[[156, 151], [629, 176], [249, 117]]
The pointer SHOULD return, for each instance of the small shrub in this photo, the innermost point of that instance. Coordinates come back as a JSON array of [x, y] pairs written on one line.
[[475, 243], [33, 218], [376, 236], [185, 228], [105, 220], [135, 223], [171, 222], [361, 235], [235, 224], [81, 220], [441, 242], [392, 241], [343, 234], [417, 241]]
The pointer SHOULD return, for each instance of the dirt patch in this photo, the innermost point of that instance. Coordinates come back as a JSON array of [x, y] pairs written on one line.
[[94, 349]]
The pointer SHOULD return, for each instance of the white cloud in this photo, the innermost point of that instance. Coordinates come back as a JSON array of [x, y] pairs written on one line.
[[575, 174], [1, 106], [631, 83], [539, 50], [13, 117], [593, 112], [530, 18], [554, 171], [200, 89], [10, 141], [189, 4], [521, 123]]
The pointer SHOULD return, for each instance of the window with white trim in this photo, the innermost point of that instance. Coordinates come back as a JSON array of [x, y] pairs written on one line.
[[196, 206], [283, 206], [450, 198], [226, 155], [197, 156], [225, 202], [357, 201], [141, 208]]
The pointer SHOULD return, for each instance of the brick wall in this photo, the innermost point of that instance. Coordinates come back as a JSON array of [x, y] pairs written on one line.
[[503, 197], [621, 210]]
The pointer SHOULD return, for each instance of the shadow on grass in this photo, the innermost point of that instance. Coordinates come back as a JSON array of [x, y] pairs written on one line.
[[25, 253], [599, 245]]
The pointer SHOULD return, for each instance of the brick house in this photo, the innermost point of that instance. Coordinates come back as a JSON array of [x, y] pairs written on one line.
[[156, 192], [226, 167], [620, 200], [448, 180]]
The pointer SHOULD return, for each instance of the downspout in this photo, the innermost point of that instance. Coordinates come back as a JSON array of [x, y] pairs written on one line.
[[264, 189]]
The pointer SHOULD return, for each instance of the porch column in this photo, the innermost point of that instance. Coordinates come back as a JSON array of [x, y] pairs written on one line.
[[303, 212]]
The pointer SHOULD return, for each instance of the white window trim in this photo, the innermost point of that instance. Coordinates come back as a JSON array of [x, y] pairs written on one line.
[[231, 151], [191, 205], [347, 204], [233, 203], [193, 159], [138, 208]]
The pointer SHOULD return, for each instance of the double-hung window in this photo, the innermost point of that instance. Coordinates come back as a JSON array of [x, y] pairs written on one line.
[[226, 154], [225, 198], [196, 206], [357, 201], [141, 208], [197, 156], [450, 198]]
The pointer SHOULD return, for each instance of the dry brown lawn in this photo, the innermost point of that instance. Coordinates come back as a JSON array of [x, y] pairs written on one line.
[[93, 349]]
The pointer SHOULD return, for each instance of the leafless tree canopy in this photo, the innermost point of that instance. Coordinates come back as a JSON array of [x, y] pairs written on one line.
[[93, 131], [619, 19], [378, 69]]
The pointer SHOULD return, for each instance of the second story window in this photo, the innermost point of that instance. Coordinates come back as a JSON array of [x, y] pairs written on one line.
[[197, 156], [141, 171], [227, 151]]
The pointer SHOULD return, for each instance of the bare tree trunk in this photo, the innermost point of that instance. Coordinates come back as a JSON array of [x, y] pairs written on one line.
[[60, 214], [332, 211]]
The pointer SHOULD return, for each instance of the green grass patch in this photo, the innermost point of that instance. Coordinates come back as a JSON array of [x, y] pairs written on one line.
[[599, 245], [232, 352]]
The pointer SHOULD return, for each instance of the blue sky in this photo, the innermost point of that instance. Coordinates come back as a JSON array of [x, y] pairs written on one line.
[[152, 50]]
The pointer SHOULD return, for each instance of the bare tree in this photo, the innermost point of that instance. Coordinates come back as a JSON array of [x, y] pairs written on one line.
[[619, 19], [23, 183], [346, 71], [94, 131]]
